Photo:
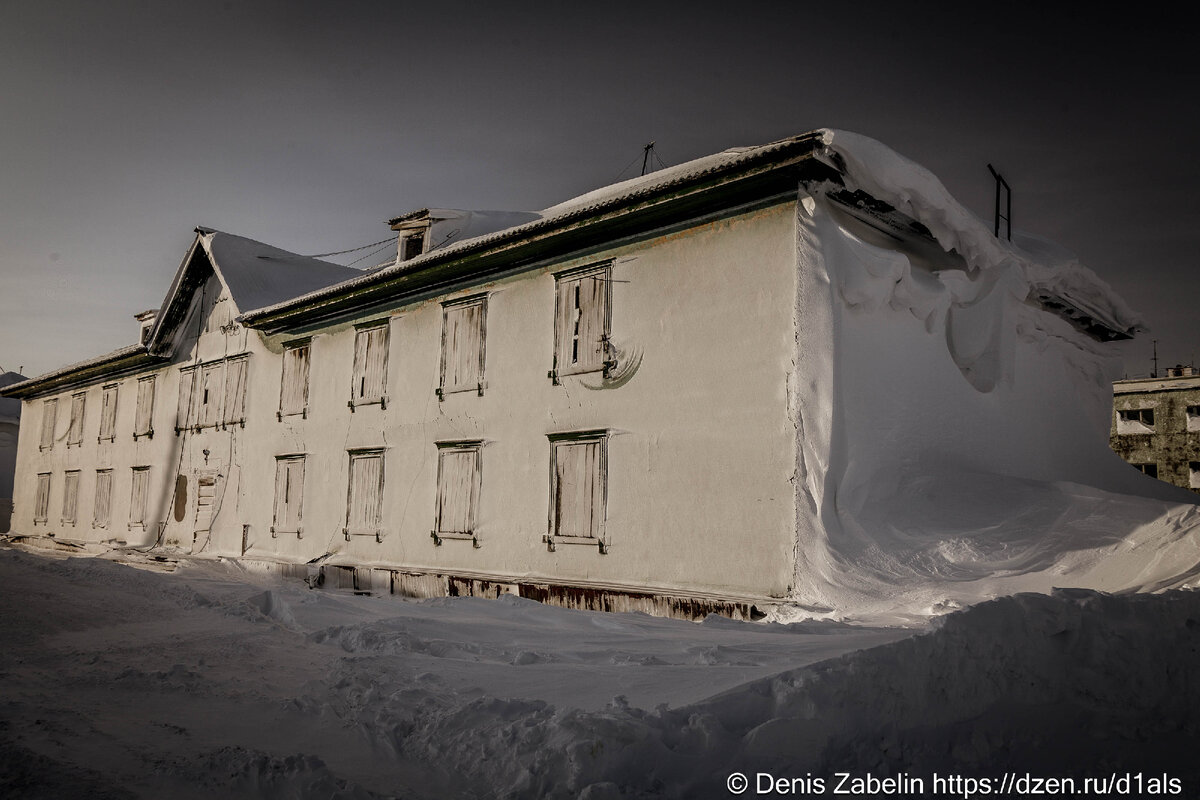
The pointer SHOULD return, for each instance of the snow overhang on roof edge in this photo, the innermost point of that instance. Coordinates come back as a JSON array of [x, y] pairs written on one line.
[[114, 364]]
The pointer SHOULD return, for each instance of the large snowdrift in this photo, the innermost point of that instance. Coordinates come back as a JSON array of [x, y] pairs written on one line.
[[954, 435], [212, 682]]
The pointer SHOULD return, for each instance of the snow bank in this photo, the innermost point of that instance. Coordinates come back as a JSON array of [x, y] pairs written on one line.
[[954, 434]]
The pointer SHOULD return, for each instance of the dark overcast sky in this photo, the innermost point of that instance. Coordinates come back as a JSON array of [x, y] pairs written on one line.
[[124, 125]]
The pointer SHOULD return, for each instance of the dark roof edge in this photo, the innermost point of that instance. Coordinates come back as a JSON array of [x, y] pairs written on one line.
[[113, 364], [777, 155]]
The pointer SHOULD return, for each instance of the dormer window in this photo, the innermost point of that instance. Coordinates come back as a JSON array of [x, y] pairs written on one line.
[[412, 245]]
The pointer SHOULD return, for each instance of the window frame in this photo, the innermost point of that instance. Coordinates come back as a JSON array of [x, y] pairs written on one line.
[[108, 412], [41, 507], [601, 360], [289, 351], [234, 392], [449, 359], [559, 444], [70, 504], [49, 423], [376, 530], [143, 422], [106, 493], [75, 427], [473, 448], [281, 526], [362, 364], [139, 474]]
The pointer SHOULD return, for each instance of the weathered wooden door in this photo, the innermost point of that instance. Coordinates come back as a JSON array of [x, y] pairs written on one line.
[[206, 492]]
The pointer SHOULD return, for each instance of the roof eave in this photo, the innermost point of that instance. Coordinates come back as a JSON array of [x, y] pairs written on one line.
[[778, 171], [113, 365]]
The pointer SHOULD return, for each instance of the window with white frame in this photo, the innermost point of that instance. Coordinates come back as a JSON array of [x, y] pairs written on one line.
[[70, 496], [1135, 420], [75, 429], [464, 324], [139, 496], [41, 507], [143, 422], [49, 421], [293, 393], [582, 317], [289, 494], [236, 370], [187, 386], [364, 501], [1193, 418], [578, 487], [208, 394], [370, 364], [103, 504], [460, 471]]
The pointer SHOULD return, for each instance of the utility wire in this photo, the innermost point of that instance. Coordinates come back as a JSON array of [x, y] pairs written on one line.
[[352, 249]]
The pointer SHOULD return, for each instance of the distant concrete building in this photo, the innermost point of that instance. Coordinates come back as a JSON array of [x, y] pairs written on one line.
[[10, 420], [1156, 425]]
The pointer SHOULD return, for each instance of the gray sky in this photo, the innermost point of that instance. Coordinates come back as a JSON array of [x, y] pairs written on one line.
[[123, 125]]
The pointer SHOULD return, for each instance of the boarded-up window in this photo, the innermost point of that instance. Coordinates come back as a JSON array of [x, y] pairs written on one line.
[[103, 507], [108, 413], [41, 508], [70, 497], [459, 474], [293, 394], [370, 364], [49, 420], [208, 394], [578, 484], [235, 390], [187, 384], [463, 327], [581, 320], [364, 505], [137, 500], [143, 423], [75, 429], [289, 494]]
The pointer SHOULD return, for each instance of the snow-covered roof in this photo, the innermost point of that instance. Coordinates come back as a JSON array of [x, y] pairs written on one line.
[[258, 274], [120, 358]]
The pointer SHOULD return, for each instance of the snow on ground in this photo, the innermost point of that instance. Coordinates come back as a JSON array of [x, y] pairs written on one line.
[[212, 681]]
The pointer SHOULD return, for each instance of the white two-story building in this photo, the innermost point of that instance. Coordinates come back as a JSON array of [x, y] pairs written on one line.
[[668, 394]]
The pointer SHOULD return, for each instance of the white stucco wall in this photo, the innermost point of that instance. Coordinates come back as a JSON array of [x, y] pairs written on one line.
[[701, 452]]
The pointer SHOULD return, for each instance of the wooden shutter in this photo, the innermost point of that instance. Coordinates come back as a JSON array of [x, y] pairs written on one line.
[[582, 321], [49, 420], [577, 504], [458, 487], [462, 346], [370, 364], [70, 497], [143, 424], [137, 500], [235, 390], [75, 430], [366, 492], [293, 395], [108, 413], [187, 383], [41, 510], [289, 493], [209, 394], [103, 506]]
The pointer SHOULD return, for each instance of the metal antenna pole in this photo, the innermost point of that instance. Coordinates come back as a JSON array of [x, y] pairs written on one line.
[[646, 156]]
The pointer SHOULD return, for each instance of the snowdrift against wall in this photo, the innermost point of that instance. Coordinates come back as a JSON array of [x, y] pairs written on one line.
[[954, 432]]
